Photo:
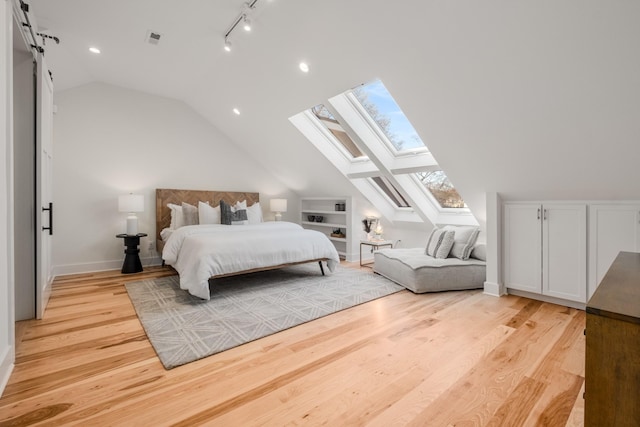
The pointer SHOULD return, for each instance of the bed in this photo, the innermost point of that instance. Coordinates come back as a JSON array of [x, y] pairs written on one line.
[[204, 252]]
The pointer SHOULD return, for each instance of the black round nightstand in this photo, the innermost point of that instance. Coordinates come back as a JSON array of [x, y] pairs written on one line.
[[132, 262]]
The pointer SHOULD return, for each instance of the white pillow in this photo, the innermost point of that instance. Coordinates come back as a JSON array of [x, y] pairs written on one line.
[[177, 219], [254, 213], [208, 214], [439, 243], [166, 233], [241, 205], [189, 214], [466, 236]]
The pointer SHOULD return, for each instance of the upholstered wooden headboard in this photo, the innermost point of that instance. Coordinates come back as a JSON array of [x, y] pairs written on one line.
[[165, 196]]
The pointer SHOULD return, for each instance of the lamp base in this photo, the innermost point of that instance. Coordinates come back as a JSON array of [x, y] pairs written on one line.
[[132, 224], [278, 216]]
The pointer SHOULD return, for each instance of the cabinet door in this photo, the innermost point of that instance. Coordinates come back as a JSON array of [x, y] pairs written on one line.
[[522, 247], [564, 251], [612, 228]]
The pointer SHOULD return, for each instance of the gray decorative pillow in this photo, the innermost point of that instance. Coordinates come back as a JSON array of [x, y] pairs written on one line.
[[465, 239], [439, 243], [189, 214], [231, 216], [446, 244], [434, 240]]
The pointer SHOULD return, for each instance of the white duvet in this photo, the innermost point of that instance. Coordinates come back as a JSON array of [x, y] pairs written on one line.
[[199, 252]]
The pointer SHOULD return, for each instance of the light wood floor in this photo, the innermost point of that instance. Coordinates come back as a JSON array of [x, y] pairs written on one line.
[[446, 359]]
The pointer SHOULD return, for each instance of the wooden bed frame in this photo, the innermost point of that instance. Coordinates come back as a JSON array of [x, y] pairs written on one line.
[[165, 196]]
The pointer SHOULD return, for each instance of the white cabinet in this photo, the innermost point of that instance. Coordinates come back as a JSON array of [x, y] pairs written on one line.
[[523, 247], [545, 249], [336, 221], [612, 228]]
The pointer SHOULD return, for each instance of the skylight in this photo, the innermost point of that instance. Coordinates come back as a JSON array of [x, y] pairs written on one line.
[[391, 191], [328, 121], [383, 109], [437, 183], [367, 137]]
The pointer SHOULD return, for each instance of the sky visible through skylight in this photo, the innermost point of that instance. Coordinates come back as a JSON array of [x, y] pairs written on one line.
[[390, 117]]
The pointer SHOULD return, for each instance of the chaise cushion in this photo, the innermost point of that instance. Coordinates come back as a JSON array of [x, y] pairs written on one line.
[[421, 273]]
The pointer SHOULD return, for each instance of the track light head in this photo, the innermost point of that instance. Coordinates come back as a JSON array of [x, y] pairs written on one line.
[[244, 19], [247, 23]]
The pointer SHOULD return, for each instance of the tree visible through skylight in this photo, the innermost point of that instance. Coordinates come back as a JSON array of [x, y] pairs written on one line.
[[441, 188], [383, 109]]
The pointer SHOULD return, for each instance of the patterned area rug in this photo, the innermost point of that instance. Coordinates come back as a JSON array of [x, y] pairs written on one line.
[[183, 328]]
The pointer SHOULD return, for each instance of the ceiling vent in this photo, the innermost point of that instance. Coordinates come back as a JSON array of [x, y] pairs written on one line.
[[153, 37]]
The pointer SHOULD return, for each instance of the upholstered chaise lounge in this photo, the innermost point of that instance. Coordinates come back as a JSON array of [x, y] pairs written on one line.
[[451, 261]]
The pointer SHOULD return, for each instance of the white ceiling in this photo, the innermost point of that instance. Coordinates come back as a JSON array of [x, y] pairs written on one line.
[[531, 99]]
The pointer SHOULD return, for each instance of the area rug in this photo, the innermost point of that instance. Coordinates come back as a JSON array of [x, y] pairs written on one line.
[[183, 328]]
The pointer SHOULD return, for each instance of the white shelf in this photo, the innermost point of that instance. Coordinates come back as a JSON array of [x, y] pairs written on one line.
[[317, 211], [324, 224], [333, 219]]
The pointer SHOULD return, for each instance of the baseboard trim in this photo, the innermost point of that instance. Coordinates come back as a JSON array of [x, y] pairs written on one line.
[[6, 367], [94, 267], [546, 298], [493, 289]]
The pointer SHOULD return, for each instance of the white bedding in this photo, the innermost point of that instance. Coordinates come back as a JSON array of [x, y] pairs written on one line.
[[199, 252]]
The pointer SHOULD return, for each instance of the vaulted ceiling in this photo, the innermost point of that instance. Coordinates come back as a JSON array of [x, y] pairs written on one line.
[[530, 99]]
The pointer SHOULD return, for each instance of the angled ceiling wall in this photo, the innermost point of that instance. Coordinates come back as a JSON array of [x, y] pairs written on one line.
[[534, 100]]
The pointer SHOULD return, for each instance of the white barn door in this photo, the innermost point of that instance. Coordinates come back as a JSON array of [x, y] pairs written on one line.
[[44, 185]]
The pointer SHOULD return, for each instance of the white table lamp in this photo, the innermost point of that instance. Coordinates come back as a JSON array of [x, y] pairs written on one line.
[[278, 206], [131, 203]]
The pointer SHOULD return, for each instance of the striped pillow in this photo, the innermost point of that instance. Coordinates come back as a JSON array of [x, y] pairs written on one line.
[[439, 243], [465, 239]]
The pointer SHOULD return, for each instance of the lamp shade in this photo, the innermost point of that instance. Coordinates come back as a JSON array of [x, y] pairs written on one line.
[[131, 203], [278, 205]]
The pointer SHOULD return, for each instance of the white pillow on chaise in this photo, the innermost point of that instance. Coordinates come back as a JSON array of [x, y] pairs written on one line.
[[465, 239]]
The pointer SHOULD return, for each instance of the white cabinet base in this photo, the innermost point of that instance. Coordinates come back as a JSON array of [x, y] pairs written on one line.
[[547, 298]]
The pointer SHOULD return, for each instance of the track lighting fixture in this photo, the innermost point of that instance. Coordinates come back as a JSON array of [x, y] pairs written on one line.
[[244, 18]]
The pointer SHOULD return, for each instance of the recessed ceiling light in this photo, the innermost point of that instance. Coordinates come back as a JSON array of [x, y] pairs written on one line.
[[227, 45], [236, 111], [247, 24], [94, 50], [304, 67]]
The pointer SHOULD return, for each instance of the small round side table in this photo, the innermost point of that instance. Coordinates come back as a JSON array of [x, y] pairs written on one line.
[[132, 262]]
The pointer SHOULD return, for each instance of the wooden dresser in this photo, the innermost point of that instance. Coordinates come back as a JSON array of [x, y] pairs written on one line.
[[612, 371]]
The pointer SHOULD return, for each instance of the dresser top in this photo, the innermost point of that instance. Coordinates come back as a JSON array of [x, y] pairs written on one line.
[[618, 295]]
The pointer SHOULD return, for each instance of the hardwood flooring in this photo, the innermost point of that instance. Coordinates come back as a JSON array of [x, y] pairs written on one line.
[[445, 359]]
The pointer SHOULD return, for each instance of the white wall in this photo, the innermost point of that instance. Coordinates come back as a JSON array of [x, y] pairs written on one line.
[[110, 141], [7, 334]]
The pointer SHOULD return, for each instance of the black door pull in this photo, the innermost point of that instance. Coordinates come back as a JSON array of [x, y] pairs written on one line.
[[50, 227]]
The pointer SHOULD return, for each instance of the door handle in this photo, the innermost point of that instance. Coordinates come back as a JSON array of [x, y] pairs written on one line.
[[538, 213], [50, 227]]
